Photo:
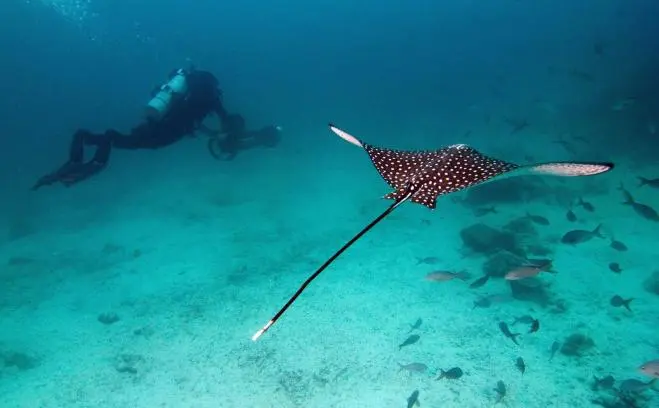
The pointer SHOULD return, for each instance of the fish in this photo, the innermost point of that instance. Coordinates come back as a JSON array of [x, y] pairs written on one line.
[[526, 319], [413, 400], [570, 216], [618, 301], [586, 205], [622, 104], [409, 341], [422, 176], [581, 139], [575, 237], [568, 146], [634, 386], [651, 368], [654, 183], [480, 212], [517, 125], [452, 374], [615, 267], [413, 367], [555, 346], [521, 366], [506, 332], [581, 75], [643, 210], [428, 260], [604, 383], [618, 245], [535, 326], [479, 282], [443, 276], [500, 390], [528, 271], [416, 325], [537, 219]]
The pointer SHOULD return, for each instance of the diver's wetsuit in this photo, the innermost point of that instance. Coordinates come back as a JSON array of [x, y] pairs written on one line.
[[184, 117]]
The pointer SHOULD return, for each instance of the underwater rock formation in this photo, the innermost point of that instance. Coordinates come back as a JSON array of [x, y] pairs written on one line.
[[521, 225], [485, 239], [129, 363], [108, 318], [19, 360], [538, 249], [502, 262], [513, 190], [576, 345], [651, 284], [526, 236], [530, 290]]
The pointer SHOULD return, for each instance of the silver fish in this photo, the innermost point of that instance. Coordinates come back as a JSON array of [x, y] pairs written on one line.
[[575, 237], [651, 368], [413, 367]]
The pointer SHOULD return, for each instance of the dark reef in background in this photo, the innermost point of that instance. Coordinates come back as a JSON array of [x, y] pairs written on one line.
[[651, 284], [577, 344], [484, 239], [502, 262], [531, 290], [514, 190]]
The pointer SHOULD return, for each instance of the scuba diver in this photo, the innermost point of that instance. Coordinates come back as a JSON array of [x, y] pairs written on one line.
[[177, 109]]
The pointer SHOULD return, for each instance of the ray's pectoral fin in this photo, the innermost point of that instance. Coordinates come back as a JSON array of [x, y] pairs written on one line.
[[346, 136], [559, 169], [569, 169]]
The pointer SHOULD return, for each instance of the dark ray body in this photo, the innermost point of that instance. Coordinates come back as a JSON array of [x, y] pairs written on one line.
[[434, 173]]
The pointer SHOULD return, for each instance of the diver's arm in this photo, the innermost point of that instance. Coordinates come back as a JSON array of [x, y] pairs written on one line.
[[222, 115], [208, 131], [221, 112]]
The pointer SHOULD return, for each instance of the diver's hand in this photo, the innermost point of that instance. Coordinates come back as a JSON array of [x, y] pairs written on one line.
[[269, 136]]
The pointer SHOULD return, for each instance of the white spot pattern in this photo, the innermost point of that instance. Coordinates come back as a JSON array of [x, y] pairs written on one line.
[[433, 173]]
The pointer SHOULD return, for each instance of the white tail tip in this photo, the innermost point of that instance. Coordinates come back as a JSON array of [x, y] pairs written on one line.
[[263, 330], [346, 136]]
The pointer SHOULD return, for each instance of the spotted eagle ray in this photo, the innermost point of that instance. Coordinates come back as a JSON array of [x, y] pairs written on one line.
[[422, 176]]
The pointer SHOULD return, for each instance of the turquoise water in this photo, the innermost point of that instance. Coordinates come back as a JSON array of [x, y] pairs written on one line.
[[143, 286]]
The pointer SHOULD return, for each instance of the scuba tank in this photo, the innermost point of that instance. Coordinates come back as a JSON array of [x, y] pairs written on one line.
[[160, 104]]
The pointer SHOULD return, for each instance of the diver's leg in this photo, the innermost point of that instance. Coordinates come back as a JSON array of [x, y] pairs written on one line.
[[144, 136], [77, 146], [76, 157], [82, 171], [229, 142]]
